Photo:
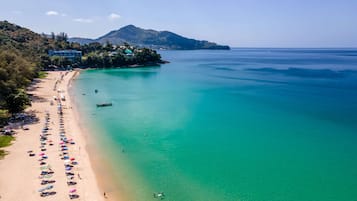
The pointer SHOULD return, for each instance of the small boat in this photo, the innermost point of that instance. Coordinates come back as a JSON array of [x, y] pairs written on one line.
[[104, 104], [159, 195]]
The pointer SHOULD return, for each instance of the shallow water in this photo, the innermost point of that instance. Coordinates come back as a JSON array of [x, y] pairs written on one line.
[[245, 124]]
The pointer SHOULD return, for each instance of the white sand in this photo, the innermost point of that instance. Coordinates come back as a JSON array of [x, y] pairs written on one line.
[[19, 172]]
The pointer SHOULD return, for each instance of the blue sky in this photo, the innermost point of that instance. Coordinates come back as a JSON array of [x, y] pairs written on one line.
[[238, 23]]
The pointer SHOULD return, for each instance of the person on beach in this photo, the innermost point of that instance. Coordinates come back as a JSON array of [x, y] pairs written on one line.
[[105, 195]]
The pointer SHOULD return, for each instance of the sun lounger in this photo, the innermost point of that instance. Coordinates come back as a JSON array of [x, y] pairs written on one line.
[[45, 194], [71, 183], [69, 173], [73, 196], [44, 182]]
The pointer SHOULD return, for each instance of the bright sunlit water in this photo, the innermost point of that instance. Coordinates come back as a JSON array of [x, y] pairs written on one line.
[[239, 125]]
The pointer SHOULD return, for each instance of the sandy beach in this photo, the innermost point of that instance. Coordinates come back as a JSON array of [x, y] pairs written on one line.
[[21, 173]]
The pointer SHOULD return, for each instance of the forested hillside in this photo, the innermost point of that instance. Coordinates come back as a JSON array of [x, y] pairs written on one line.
[[21, 54]]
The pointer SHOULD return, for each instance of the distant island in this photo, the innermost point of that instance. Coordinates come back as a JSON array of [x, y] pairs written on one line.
[[151, 39]]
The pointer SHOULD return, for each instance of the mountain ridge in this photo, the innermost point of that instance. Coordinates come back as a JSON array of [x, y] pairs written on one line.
[[151, 38]]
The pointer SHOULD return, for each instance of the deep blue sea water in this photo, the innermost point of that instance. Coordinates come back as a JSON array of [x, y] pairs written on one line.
[[240, 125]]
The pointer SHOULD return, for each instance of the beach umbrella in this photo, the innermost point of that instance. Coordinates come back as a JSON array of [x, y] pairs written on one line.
[[66, 161], [42, 154], [68, 168], [41, 190], [72, 159], [72, 190], [45, 167], [49, 187]]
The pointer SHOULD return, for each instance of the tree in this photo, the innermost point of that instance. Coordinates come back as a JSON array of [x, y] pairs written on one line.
[[17, 102], [60, 61], [118, 60], [45, 61], [53, 36], [147, 55], [62, 37], [108, 46]]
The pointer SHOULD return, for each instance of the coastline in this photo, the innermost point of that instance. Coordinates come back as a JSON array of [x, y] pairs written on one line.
[[145, 65], [102, 168], [20, 172]]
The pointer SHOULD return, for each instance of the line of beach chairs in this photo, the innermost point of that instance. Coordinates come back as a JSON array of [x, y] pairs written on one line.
[[46, 171], [69, 162]]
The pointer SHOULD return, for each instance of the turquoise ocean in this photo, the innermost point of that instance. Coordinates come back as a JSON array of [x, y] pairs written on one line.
[[238, 125]]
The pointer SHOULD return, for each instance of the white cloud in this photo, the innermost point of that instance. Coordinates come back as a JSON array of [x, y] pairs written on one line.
[[52, 13], [113, 16], [83, 20]]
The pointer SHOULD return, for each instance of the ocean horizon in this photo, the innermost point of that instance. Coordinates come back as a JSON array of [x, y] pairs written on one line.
[[249, 124]]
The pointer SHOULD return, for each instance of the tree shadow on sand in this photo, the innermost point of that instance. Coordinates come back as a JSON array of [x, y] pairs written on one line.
[[37, 99], [26, 118], [34, 85]]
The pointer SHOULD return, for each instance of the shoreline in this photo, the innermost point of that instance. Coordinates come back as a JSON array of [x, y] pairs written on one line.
[[148, 65], [24, 170], [101, 166]]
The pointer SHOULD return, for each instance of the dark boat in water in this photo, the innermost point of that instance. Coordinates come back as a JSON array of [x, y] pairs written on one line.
[[104, 104]]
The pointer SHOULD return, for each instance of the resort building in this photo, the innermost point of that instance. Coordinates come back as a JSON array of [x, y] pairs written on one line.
[[72, 55], [128, 52]]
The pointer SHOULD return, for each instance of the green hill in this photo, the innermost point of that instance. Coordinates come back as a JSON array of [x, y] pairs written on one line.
[[20, 56], [153, 39], [22, 41]]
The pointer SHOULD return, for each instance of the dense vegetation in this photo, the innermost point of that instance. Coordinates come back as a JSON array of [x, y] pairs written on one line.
[[151, 38], [23, 54], [102, 56], [4, 141]]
